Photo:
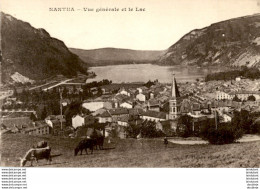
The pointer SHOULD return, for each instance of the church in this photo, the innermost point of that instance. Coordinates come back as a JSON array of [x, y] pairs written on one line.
[[174, 101], [174, 105]]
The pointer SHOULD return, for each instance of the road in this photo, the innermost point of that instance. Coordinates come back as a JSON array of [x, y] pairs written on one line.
[[63, 82], [41, 85]]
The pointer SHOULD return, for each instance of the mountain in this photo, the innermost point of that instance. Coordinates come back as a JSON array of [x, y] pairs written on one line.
[[33, 53], [235, 42], [113, 56]]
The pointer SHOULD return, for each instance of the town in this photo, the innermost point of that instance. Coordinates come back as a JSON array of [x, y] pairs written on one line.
[[131, 110]]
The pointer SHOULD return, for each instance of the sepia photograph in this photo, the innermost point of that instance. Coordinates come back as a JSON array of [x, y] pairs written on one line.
[[130, 84]]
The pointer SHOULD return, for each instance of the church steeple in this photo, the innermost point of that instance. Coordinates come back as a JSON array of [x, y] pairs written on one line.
[[173, 86], [174, 109], [175, 92]]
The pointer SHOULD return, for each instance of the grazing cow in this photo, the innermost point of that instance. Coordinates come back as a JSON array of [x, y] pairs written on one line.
[[37, 154], [42, 144], [99, 142], [84, 144], [98, 139]]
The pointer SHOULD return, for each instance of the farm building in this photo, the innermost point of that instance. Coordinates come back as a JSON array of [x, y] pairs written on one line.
[[39, 128], [81, 120]]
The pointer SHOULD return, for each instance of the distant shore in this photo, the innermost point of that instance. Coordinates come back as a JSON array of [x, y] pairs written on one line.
[[116, 64], [222, 68]]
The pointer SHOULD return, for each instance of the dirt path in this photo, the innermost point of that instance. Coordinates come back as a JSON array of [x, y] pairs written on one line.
[[245, 138]]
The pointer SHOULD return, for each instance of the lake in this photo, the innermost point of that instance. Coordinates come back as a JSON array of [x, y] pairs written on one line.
[[144, 72]]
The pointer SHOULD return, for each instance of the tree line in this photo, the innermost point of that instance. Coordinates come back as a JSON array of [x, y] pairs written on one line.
[[250, 73]]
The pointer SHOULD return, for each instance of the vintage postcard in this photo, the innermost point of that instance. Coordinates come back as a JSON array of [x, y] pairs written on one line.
[[117, 83]]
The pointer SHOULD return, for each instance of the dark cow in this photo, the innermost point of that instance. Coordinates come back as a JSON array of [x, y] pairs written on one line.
[[98, 139], [37, 154], [99, 142], [84, 145], [42, 144]]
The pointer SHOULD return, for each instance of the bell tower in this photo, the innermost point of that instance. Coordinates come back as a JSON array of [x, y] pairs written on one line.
[[174, 107]]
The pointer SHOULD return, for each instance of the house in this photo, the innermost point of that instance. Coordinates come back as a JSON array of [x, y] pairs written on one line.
[[80, 120], [126, 104], [153, 105], [118, 113], [196, 109], [220, 95], [140, 90], [123, 121], [55, 121], [123, 91], [105, 117], [153, 116], [141, 97]]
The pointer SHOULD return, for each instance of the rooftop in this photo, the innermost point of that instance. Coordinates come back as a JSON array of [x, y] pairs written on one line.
[[149, 113]]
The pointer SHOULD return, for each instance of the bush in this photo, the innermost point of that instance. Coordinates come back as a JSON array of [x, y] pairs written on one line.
[[147, 130], [133, 130], [184, 127], [224, 134], [255, 128], [151, 132], [251, 98], [183, 131]]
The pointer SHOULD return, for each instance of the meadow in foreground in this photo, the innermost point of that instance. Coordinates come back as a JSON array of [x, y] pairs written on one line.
[[132, 153]]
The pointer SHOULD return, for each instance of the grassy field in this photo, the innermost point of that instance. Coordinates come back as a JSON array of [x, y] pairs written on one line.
[[133, 153]]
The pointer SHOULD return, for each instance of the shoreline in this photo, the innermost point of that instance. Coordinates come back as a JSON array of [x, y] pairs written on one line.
[[224, 68]]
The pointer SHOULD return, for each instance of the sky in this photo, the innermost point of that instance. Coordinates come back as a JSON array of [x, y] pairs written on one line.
[[162, 23]]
